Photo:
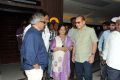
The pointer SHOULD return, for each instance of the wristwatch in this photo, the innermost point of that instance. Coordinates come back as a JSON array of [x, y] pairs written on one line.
[[93, 54]]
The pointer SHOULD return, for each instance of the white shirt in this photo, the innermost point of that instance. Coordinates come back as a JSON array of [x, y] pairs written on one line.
[[45, 35], [112, 50], [25, 30]]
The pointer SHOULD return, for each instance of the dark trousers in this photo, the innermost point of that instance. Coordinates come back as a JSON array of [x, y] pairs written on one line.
[[113, 74], [83, 70], [103, 72], [46, 75], [72, 68]]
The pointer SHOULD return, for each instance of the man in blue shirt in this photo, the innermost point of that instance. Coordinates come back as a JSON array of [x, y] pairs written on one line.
[[34, 57]]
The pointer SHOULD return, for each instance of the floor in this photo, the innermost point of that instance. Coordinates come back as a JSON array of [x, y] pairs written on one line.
[[13, 72]]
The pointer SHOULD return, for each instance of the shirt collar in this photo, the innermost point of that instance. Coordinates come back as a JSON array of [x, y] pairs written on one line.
[[83, 28], [36, 30]]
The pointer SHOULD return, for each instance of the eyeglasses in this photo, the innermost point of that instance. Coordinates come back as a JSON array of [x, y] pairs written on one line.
[[43, 22], [77, 22]]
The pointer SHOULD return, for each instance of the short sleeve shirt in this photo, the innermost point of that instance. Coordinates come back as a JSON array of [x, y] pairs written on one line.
[[83, 43]]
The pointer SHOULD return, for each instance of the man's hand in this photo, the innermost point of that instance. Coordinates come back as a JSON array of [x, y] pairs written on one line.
[[73, 59], [36, 66], [61, 48], [100, 53], [64, 49], [103, 62], [91, 59]]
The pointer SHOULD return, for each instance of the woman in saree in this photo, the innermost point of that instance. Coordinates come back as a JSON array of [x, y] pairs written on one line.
[[61, 47]]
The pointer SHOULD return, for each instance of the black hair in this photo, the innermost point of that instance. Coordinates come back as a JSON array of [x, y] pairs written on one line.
[[71, 19], [107, 23], [111, 22]]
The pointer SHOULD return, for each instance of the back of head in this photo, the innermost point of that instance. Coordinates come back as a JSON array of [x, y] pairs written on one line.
[[106, 23], [73, 21], [45, 13], [36, 17], [73, 18]]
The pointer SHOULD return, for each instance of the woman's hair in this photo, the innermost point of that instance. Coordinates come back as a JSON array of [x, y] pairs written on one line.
[[36, 17]]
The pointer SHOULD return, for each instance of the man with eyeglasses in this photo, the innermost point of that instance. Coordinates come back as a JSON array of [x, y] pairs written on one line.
[[34, 56], [45, 33], [85, 44]]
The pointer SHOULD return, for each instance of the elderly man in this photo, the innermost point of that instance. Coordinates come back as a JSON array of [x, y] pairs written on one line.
[[112, 52], [34, 57], [45, 33], [85, 44]]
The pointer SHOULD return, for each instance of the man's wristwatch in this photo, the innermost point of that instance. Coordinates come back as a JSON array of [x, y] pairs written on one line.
[[93, 54]]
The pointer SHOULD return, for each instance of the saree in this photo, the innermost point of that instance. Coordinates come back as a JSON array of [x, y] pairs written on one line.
[[60, 69]]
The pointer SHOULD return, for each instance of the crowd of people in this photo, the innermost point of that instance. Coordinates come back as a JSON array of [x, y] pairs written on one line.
[[58, 52]]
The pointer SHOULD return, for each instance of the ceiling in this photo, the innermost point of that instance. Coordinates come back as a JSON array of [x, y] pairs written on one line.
[[95, 11]]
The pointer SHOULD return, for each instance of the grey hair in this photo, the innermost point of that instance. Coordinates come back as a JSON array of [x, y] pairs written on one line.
[[36, 18]]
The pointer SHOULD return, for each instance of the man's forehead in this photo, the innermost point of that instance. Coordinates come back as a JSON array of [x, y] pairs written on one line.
[[46, 16], [79, 19], [43, 18]]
